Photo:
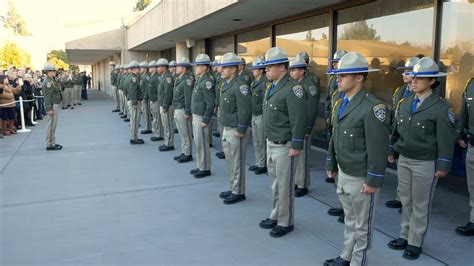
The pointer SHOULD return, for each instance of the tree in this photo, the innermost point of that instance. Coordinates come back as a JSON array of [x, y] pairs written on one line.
[[15, 21], [11, 54], [58, 58], [141, 4], [324, 36], [359, 30]]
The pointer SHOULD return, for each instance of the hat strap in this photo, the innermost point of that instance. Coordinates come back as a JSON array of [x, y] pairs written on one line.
[[351, 69], [425, 73]]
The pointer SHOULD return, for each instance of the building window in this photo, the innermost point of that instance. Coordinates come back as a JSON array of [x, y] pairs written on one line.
[[253, 44], [309, 35], [457, 48], [386, 32], [222, 45]]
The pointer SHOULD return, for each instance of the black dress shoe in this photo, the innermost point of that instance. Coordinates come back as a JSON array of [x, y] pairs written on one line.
[[64, 108], [39, 118], [216, 134], [145, 132], [280, 231], [79, 103], [400, 210], [268, 223], [126, 120], [123, 116], [330, 180], [176, 130], [398, 244], [166, 148], [394, 204], [253, 168], [185, 159], [136, 141], [194, 171], [412, 252], [115, 110], [202, 174], [234, 198], [54, 148], [341, 218], [335, 211], [220, 155], [141, 141], [156, 138], [72, 107], [300, 192], [225, 194], [177, 157], [466, 230], [337, 262], [121, 113], [261, 171]]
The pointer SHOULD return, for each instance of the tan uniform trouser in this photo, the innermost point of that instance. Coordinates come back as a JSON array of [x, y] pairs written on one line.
[[146, 113], [51, 128], [235, 150], [417, 184], [470, 179], [120, 93], [167, 119], [258, 139], [124, 104], [115, 93], [281, 170], [303, 174], [185, 131], [134, 119], [156, 125], [77, 93], [67, 96], [359, 210], [201, 139]]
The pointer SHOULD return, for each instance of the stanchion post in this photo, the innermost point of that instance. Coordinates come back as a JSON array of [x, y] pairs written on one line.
[[33, 116], [22, 114]]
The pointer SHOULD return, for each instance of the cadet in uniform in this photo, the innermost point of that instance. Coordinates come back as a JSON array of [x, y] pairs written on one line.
[[423, 137], [358, 144], [183, 90], [125, 80], [298, 70], [113, 82], [67, 82], [52, 99], [220, 129], [401, 93], [76, 94], [285, 120], [258, 88], [466, 140], [172, 68], [152, 85], [244, 74], [202, 108], [144, 79], [165, 99], [236, 114], [134, 101]]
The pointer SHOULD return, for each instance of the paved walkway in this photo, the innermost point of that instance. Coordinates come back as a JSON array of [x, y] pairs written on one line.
[[102, 201]]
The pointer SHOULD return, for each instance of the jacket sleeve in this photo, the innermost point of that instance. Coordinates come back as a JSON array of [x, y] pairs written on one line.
[[188, 94], [210, 100], [48, 95], [377, 130], [298, 118], [168, 89], [244, 111], [463, 119], [445, 139], [312, 107]]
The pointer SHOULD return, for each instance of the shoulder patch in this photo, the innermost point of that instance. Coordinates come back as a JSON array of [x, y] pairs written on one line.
[[246, 77], [380, 112], [168, 79], [451, 115], [189, 82], [49, 84], [208, 85], [134, 79], [298, 91], [312, 90], [244, 89], [315, 79]]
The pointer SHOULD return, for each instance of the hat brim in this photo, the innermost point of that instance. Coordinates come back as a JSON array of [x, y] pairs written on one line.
[[439, 74], [342, 71], [298, 66], [201, 63], [229, 64], [276, 62]]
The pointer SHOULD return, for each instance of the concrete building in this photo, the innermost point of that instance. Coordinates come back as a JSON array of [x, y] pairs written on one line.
[[385, 31]]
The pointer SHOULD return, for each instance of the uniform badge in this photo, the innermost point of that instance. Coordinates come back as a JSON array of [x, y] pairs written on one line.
[[312, 90], [244, 89], [49, 84], [380, 112], [246, 78], [189, 82], [298, 91], [451, 115], [134, 79], [315, 79], [208, 85], [168, 79]]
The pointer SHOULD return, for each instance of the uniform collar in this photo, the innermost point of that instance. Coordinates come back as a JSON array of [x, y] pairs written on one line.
[[354, 101]]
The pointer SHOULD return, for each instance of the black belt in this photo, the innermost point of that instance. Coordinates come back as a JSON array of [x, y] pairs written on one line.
[[282, 142]]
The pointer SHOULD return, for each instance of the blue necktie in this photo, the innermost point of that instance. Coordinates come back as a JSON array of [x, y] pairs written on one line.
[[406, 93], [271, 89], [415, 102], [342, 95], [343, 106]]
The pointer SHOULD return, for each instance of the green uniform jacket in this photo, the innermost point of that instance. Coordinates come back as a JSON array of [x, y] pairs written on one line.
[[67, 83], [119, 81], [360, 137], [427, 134], [134, 92], [246, 77], [126, 84], [465, 126], [332, 87], [396, 98], [183, 91], [284, 112], [165, 90], [52, 93], [258, 88], [203, 99], [113, 78], [313, 90], [77, 79], [144, 79], [152, 87], [236, 105], [219, 82]]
